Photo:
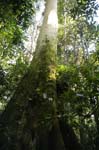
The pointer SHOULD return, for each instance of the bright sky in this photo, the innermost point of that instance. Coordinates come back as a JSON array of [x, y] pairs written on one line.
[[97, 17]]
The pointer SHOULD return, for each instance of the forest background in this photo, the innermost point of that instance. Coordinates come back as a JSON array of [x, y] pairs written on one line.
[[77, 71]]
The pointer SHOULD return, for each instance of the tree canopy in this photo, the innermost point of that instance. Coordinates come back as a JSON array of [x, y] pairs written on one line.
[[71, 76]]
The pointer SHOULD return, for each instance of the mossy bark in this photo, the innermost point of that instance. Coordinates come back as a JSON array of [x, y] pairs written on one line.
[[29, 121], [24, 120]]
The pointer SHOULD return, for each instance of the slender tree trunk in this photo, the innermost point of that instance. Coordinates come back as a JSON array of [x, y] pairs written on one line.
[[24, 119]]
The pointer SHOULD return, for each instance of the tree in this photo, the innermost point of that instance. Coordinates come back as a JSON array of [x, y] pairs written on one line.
[[21, 122], [37, 115]]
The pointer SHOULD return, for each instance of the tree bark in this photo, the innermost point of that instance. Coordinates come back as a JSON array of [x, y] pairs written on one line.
[[30, 121], [24, 120]]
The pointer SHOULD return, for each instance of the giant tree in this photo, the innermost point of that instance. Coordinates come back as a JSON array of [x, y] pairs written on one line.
[[34, 100], [30, 120]]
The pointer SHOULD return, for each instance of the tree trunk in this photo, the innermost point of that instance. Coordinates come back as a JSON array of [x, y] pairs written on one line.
[[24, 119], [30, 121]]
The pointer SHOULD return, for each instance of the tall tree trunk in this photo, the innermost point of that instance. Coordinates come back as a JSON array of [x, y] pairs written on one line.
[[29, 121], [24, 119]]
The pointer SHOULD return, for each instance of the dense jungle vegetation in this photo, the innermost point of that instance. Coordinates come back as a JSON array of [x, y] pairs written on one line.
[[49, 98]]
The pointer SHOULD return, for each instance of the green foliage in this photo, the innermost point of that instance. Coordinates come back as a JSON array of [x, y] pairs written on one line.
[[77, 76], [85, 8], [78, 95], [78, 71], [20, 10], [15, 18]]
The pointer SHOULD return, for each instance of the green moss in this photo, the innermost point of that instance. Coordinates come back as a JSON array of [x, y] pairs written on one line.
[[29, 107]]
